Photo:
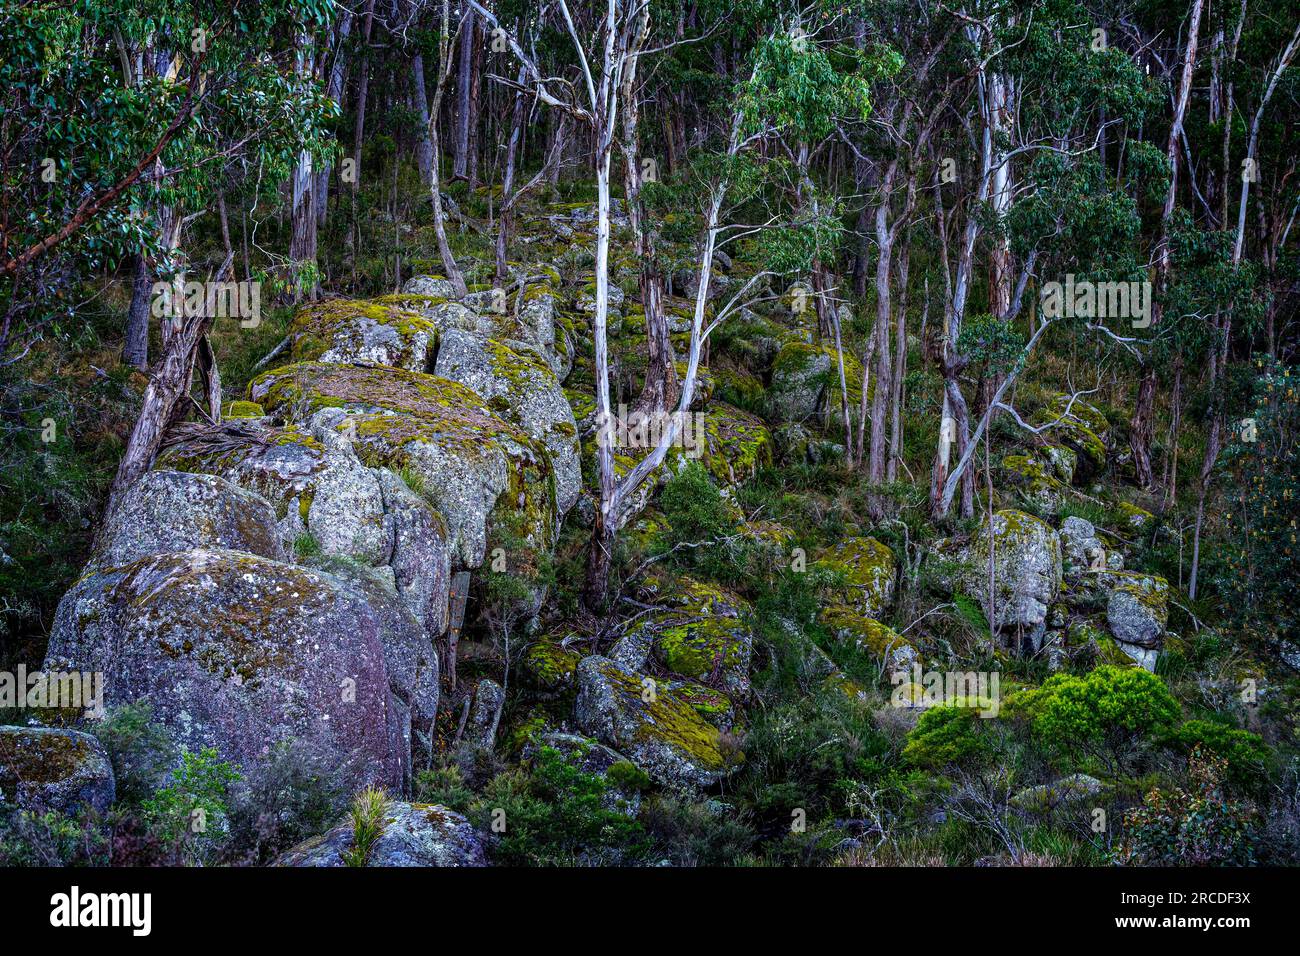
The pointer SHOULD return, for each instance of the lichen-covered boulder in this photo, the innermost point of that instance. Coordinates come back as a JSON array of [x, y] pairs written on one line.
[[410, 657], [537, 317], [1035, 480], [432, 286], [1082, 428], [45, 768], [314, 490], [177, 511], [656, 728], [484, 716], [704, 633], [239, 653], [474, 468], [883, 643], [326, 500], [522, 390], [736, 444], [1049, 796], [1081, 549], [867, 573], [1026, 572], [1137, 519], [1136, 613], [805, 376], [550, 665], [413, 834], [1063, 461], [368, 332]]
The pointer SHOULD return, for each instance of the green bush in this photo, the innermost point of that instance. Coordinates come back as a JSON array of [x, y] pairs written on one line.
[[1109, 714], [1244, 754], [946, 736], [191, 813], [553, 814], [138, 748], [1196, 827]]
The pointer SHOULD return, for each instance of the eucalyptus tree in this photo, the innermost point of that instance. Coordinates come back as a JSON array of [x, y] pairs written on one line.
[[109, 144]]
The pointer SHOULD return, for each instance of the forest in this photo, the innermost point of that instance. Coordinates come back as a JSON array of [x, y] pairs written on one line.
[[645, 433]]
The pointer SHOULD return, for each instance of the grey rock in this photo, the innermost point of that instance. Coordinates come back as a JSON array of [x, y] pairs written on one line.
[[239, 653], [1081, 549], [413, 834], [177, 511], [484, 716], [430, 285], [533, 399], [657, 729], [44, 769], [1026, 569]]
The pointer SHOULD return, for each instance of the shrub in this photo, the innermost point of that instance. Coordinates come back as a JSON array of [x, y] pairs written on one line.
[[1200, 827], [190, 814], [946, 736], [1107, 714], [291, 796], [555, 814], [694, 506], [138, 748], [1244, 754]]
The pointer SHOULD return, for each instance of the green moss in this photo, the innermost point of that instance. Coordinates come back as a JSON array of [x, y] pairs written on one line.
[[848, 625], [242, 409], [864, 569], [670, 719], [550, 665]]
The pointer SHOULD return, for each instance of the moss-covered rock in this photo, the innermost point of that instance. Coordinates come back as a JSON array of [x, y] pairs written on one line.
[[522, 390], [1026, 569], [1135, 518], [177, 511], [656, 728], [1137, 612], [410, 834], [45, 769], [736, 444], [239, 408], [550, 665], [886, 645], [1035, 480], [867, 573], [1082, 428], [239, 653], [805, 376], [477, 470], [371, 332], [706, 633]]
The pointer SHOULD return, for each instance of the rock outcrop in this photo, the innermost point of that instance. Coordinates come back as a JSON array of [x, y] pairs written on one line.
[[46, 769], [239, 652], [412, 834]]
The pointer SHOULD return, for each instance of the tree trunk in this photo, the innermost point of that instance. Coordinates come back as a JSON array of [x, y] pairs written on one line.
[[136, 350], [168, 386], [464, 82], [900, 368], [423, 146]]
